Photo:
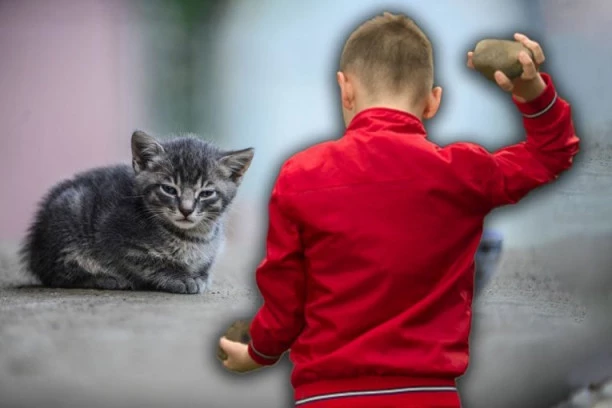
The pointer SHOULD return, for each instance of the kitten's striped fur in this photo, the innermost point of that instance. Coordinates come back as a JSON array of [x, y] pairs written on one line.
[[157, 225]]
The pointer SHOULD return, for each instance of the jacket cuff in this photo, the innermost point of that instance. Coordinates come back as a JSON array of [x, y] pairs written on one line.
[[261, 358], [544, 105]]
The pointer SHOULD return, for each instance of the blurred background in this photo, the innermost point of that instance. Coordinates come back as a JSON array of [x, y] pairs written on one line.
[[78, 76]]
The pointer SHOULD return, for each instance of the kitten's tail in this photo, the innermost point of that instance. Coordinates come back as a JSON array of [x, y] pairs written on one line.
[[12, 267]]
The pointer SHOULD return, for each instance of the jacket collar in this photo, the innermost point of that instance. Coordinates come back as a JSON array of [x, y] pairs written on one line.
[[374, 120]]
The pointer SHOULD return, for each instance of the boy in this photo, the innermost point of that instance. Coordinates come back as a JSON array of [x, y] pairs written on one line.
[[369, 271]]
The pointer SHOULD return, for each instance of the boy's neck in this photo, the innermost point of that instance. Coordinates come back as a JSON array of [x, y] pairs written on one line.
[[402, 107], [398, 107]]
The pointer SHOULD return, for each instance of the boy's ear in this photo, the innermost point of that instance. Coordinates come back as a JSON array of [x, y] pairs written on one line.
[[433, 103], [347, 92]]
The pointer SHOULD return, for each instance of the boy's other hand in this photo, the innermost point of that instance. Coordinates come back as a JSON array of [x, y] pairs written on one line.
[[238, 358], [530, 84]]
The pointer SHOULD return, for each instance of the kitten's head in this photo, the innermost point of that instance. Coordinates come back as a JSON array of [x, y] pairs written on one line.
[[186, 181]]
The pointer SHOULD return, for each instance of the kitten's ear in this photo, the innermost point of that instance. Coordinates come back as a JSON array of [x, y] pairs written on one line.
[[144, 149], [236, 163]]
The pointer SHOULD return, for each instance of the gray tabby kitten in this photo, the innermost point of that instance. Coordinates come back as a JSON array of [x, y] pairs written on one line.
[[154, 226]]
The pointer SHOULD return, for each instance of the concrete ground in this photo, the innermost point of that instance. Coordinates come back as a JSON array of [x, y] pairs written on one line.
[[541, 331]]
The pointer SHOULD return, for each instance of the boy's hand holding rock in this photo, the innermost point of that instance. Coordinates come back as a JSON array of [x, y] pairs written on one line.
[[237, 332], [233, 348], [513, 65]]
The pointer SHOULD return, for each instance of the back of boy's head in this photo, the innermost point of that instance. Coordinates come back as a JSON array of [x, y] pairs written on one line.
[[390, 55]]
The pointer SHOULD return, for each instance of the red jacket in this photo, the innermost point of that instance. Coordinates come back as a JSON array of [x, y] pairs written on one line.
[[369, 270]]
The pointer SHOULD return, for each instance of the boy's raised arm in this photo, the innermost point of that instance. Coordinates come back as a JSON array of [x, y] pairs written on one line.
[[551, 143], [281, 281], [549, 148]]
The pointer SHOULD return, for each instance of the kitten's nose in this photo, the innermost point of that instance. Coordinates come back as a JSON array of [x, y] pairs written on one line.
[[186, 209]]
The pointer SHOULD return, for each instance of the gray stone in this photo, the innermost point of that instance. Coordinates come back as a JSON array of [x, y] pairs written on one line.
[[238, 331], [491, 55]]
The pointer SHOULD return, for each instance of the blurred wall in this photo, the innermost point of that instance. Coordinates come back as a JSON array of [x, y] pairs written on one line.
[[578, 36], [79, 76], [67, 97]]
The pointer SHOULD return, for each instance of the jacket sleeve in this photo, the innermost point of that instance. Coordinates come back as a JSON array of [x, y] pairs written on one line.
[[281, 282], [549, 149], [509, 174]]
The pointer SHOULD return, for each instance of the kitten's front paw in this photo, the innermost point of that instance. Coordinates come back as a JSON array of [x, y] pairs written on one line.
[[189, 286], [195, 285], [106, 282]]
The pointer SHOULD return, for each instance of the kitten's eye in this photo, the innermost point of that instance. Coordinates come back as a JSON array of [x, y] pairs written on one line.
[[204, 194], [168, 189]]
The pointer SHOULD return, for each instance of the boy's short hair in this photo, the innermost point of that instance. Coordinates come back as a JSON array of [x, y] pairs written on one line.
[[390, 53]]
